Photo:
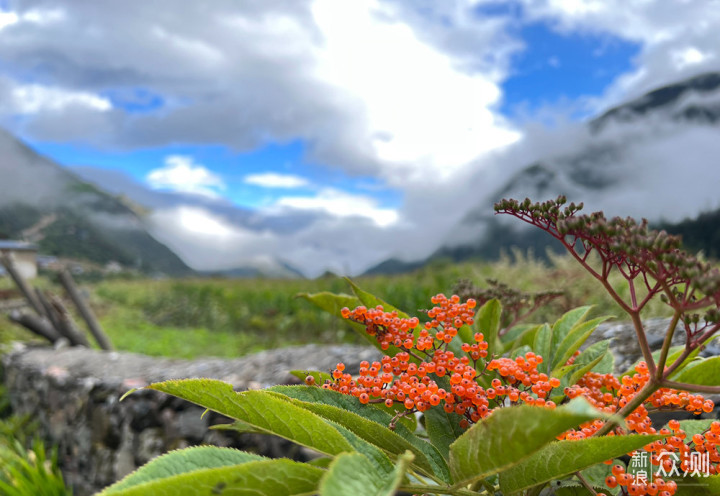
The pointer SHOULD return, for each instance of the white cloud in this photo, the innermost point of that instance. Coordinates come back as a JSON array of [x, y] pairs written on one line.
[[274, 180], [341, 204], [688, 56], [8, 19], [422, 114], [376, 87], [183, 175], [35, 98]]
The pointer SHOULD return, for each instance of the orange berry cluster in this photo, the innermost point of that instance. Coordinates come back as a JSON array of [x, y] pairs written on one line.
[[706, 442], [386, 326], [634, 487], [607, 393], [408, 378], [411, 378]]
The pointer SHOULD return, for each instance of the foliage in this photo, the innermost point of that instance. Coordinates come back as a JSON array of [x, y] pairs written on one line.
[[25, 471], [30, 471], [503, 407], [228, 317]]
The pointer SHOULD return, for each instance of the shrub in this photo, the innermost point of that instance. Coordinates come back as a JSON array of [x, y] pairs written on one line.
[[471, 401]]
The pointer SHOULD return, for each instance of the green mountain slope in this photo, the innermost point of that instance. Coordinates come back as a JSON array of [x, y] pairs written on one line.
[[43, 203]]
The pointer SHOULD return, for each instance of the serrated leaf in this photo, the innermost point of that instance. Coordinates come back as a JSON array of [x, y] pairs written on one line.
[[695, 426], [320, 377], [703, 372], [371, 301], [515, 333], [606, 365], [542, 344], [673, 354], [238, 426], [559, 331], [596, 474], [527, 338], [580, 490], [183, 461], [280, 477], [563, 458], [574, 339], [379, 459], [333, 304], [509, 435], [351, 474], [588, 359], [369, 424], [698, 486], [443, 429], [266, 410], [487, 321]]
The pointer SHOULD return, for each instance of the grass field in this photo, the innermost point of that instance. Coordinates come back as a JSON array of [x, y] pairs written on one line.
[[231, 317]]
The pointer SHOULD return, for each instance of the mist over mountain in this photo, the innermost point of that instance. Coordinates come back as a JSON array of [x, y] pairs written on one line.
[[653, 157], [44, 203]]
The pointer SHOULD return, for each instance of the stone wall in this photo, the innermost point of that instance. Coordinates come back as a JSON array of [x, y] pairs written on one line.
[[74, 393]]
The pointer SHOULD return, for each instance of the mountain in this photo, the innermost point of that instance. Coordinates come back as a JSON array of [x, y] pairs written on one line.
[[42, 202], [165, 210], [653, 157]]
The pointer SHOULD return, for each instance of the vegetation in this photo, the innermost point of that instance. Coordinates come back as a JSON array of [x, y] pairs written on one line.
[[186, 318], [503, 408], [25, 471]]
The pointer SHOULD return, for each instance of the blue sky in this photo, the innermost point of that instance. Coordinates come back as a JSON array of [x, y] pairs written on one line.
[[364, 118]]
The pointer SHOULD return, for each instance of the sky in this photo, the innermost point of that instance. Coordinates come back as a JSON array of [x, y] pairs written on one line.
[[336, 127]]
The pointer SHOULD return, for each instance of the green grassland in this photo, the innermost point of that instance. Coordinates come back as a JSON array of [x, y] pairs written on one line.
[[231, 317]]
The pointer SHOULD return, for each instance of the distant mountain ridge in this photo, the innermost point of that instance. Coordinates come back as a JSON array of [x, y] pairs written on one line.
[[42, 202], [650, 157]]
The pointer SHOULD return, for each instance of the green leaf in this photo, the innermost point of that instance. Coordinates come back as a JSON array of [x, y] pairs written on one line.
[[238, 426], [379, 459], [563, 458], [698, 486], [673, 354], [369, 424], [702, 371], [574, 339], [487, 321], [280, 477], [320, 377], [588, 359], [695, 426], [606, 365], [542, 344], [351, 474], [515, 333], [266, 410], [560, 330], [333, 303], [183, 461], [596, 474], [527, 338], [577, 489], [371, 301], [443, 429], [510, 435]]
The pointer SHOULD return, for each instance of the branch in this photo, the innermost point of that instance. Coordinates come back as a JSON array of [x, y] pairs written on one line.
[[690, 387]]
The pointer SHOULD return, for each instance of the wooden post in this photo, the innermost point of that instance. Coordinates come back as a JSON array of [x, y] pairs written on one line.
[[36, 325], [87, 314], [50, 312], [7, 262], [67, 324]]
